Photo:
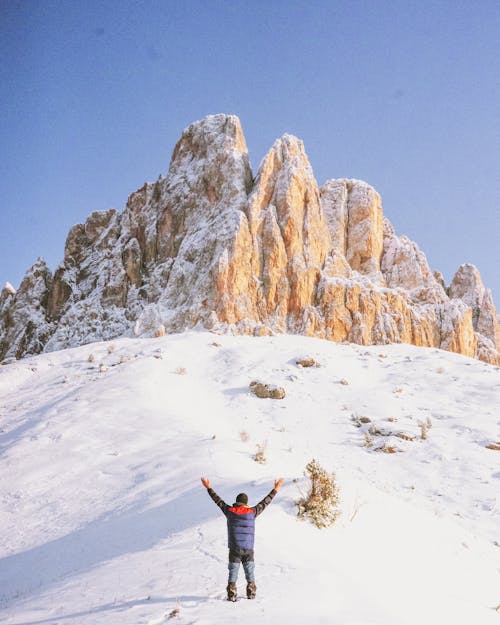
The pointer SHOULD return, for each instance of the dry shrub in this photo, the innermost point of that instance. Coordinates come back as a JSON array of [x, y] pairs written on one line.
[[91, 358], [404, 436], [260, 454], [181, 371], [174, 613], [111, 348], [321, 504], [424, 426], [368, 440], [244, 436]]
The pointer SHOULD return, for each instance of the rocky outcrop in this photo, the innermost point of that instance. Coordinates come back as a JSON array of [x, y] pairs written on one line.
[[23, 324], [353, 210], [209, 245], [467, 286]]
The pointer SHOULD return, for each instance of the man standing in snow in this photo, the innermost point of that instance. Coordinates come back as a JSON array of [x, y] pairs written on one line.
[[240, 535]]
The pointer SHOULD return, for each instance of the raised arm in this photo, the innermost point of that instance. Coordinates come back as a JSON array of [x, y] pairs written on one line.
[[218, 501], [262, 505]]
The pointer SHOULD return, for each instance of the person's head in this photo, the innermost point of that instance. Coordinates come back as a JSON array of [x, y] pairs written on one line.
[[242, 498]]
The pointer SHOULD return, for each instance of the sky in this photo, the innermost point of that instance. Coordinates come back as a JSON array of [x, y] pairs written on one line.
[[404, 95]]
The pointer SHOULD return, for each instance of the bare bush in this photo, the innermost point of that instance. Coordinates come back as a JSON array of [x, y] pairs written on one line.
[[244, 436], [424, 426], [321, 504], [260, 454], [368, 440]]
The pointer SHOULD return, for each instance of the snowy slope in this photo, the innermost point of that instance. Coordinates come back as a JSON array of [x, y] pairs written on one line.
[[104, 520]]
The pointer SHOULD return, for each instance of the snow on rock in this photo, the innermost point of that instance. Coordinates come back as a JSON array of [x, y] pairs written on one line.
[[23, 324], [208, 245], [9, 288], [104, 520], [468, 286]]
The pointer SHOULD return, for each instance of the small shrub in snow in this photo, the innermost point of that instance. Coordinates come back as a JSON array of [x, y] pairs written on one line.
[[404, 436], [181, 371], [123, 359], [244, 436], [440, 370], [91, 358], [387, 448], [494, 446], [424, 426], [359, 421], [260, 454], [111, 348], [175, 612], [368, 440], [321, 504], [378, 431], [103, 368], [344, 382]]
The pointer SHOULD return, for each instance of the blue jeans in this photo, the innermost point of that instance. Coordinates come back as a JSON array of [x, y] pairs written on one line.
[[246, 558]]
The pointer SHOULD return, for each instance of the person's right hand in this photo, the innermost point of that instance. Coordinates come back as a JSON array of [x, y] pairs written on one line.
[[205, 482], [278, 483]]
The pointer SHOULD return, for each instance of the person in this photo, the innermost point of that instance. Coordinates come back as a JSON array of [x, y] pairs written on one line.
[[240, 535]]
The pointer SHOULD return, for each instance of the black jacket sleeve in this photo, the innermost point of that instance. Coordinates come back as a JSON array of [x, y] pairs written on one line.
[[222, 504], [262, 505]]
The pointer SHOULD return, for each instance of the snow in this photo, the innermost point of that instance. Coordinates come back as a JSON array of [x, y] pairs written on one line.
[[8, 287], [104, 519]]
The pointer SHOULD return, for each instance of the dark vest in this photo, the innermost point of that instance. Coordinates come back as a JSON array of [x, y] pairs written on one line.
[[240, 527]]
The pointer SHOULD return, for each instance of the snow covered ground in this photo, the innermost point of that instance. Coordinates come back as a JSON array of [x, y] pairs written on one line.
[[104, 519]]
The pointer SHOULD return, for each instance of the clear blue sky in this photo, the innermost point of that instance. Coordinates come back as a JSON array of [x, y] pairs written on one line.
[[404, 95]]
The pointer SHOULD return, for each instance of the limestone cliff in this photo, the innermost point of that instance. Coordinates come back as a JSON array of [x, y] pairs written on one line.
[[209, 245]]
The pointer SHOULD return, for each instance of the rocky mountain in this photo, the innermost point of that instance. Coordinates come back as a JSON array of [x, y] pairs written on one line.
[[210, 245]]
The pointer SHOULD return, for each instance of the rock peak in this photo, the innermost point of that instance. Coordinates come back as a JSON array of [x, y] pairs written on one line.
[[9, 288], [210, 245]]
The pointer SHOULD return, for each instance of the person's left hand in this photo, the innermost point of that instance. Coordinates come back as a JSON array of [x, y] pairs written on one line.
[[278, 483], [205, 482]]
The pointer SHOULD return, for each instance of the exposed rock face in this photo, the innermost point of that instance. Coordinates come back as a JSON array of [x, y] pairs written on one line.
[[208, 245], [468, 287], [354, 213], [23, 325]]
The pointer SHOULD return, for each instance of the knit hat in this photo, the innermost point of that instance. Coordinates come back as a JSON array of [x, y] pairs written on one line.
[[242, 498]]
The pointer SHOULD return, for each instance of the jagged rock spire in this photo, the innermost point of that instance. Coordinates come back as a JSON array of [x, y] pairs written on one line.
[[208, 245]]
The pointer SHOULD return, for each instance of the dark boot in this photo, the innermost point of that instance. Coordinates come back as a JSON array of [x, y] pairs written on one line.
[[231, 591], [251, 590]]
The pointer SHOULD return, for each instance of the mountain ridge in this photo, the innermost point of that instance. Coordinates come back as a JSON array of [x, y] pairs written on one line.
[[211, 245]]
